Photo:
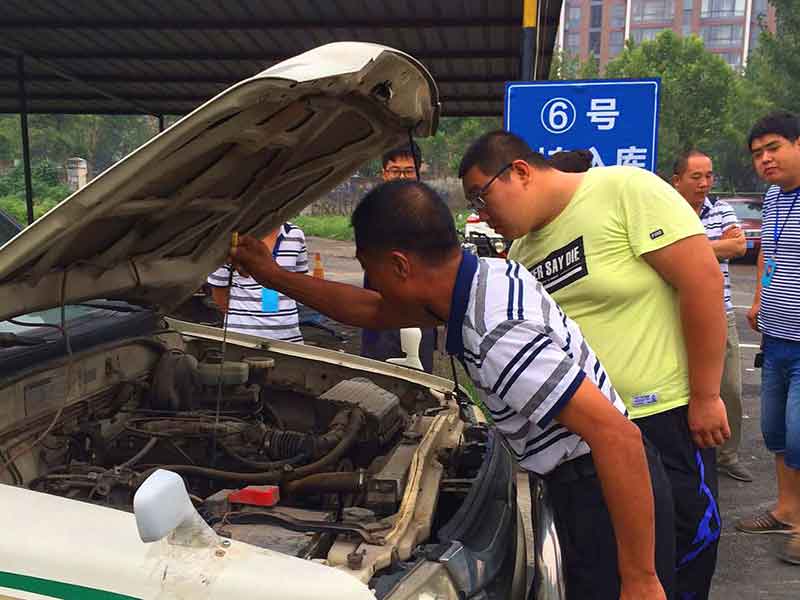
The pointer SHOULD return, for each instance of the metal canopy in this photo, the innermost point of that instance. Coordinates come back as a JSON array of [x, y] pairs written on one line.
[[110, 57]]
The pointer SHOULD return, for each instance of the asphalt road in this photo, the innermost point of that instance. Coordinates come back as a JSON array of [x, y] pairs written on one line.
[[747, 567]]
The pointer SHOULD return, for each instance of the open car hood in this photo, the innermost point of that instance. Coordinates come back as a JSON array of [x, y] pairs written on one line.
[[151, 228]]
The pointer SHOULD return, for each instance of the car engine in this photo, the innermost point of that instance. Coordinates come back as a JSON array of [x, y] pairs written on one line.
[[268, 465]]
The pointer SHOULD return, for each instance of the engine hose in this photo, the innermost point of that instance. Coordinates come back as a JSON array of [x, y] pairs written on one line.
[[263, 466], [285, 444], [140, 454], [326, 483], [276, 476], [350, 435]]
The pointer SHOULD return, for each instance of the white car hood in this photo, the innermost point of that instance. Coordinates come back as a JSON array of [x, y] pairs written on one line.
[[152, 227]]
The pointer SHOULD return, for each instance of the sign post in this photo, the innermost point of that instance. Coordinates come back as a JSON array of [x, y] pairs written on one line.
[[616, 120]]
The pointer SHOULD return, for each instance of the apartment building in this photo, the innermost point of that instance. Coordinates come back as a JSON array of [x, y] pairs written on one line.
[[729, 28]]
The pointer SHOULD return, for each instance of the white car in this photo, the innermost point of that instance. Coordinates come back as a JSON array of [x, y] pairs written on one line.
[[486, 241], [143, 457]]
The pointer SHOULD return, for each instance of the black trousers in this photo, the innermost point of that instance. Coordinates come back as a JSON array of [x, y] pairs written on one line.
[[586, 534], [693, 477]]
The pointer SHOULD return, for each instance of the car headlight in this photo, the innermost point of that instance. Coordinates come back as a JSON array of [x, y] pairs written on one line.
[[426, 581], [499, 246]]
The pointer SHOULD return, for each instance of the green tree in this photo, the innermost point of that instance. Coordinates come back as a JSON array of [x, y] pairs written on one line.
[[732, 162], [443, 151], [567, 66], [775, 65], [100, 139], [696, 87]]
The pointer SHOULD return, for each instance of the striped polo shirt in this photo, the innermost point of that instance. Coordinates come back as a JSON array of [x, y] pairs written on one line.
[[780, 302], [716, 217], [245, 314], [525, 357]]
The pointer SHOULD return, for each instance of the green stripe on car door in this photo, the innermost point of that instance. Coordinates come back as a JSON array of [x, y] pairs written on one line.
[[56, 589]]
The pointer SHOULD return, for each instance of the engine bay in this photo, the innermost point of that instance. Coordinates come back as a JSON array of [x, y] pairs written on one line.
[[264, 462]]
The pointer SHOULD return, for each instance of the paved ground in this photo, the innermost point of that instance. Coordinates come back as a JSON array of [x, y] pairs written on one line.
[[747, 567]]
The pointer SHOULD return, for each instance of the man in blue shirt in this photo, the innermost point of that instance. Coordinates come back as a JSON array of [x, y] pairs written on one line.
[[548, 393], [775, 147]]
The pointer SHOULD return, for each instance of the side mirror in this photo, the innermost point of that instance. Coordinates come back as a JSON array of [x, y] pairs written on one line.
[[162, 508]]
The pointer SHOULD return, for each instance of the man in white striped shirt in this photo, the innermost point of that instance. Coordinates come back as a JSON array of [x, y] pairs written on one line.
[[693, 177], [775, 146], [546, 390], [260, 311]]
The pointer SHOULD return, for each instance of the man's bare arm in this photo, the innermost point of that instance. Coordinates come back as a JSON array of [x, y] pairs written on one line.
[[732, 244], [220, 296], [628, 491], [690, 267], [344, 303], [752, 314]]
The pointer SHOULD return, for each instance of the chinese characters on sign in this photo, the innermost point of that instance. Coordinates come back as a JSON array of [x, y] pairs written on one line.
[[617, 121], [604, 113], [631, 156]]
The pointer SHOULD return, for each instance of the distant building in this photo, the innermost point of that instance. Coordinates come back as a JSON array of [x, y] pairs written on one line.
[[729, 28]]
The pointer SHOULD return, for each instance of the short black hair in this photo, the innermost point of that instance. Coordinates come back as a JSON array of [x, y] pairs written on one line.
[[411, 150], [494, 150], [682, 162], [407, 216], [572, 161], [782, 123]]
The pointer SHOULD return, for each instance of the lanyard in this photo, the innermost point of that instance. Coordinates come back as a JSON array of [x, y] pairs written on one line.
[[776, 234]]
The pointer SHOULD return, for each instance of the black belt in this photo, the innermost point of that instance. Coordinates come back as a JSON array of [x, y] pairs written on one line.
[[572, 470]]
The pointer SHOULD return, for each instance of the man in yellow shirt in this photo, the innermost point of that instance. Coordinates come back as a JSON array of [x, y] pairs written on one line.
[[628, 259]]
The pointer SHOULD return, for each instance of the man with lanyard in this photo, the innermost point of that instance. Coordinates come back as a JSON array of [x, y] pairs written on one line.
[[547, 392], [693, 177], [775, 146], [398, 164], [627, 259], [255, 310]]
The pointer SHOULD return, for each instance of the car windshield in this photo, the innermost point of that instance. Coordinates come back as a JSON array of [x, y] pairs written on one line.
[[747, 210], [72, 314]]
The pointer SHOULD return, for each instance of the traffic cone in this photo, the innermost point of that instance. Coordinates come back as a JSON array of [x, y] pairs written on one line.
[[318, 270]]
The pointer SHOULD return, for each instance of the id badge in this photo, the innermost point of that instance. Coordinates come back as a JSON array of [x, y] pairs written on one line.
[[770, 267], [269, 300]]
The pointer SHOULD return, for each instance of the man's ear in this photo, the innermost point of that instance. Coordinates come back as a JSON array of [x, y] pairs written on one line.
[[523, 170], [675, 180], [400, 265]]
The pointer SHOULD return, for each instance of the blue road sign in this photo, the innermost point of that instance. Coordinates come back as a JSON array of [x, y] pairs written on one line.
[[617, 120]]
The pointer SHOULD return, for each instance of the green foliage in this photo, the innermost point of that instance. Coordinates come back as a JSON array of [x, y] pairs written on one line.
[[775, 66], [332, 227], [100, 139], [443, 151], [695, 89], [47, 190], [704, 103]]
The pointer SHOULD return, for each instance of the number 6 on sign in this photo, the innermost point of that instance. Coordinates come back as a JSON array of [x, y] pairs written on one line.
[[558, 115]]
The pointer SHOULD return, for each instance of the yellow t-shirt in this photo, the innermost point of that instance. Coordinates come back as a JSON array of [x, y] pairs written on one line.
[[590, 260]]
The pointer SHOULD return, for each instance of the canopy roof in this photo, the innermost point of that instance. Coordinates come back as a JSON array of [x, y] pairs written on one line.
[[110, 57]]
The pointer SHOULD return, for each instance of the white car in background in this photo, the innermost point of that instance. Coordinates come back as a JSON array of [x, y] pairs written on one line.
[[147, 458], [487, 241]]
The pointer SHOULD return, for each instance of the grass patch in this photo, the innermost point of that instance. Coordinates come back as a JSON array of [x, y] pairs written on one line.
[[332, 227], [337, 227]]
